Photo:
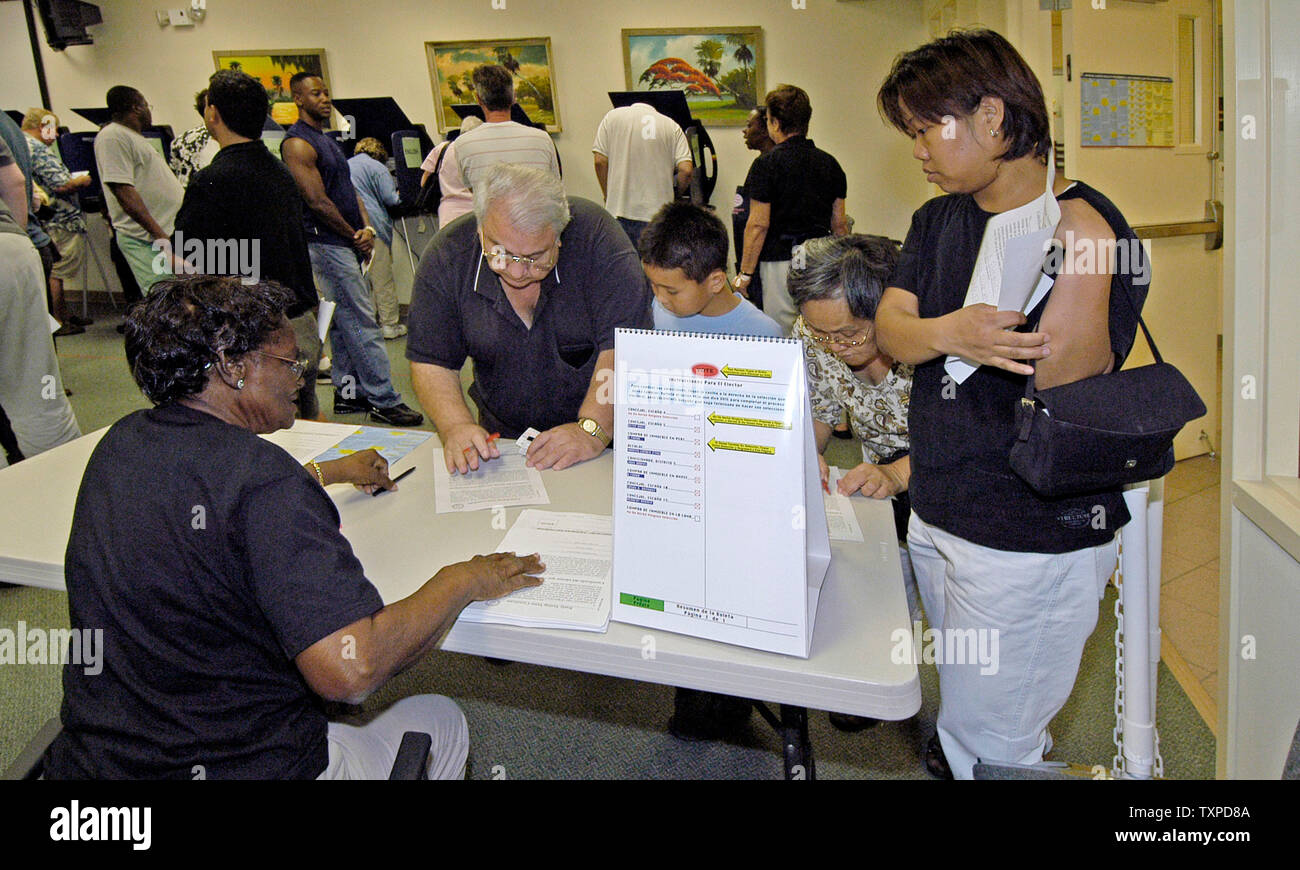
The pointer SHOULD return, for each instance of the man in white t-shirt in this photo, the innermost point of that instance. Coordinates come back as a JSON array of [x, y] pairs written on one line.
[[642, 157], [144, 194], [499, 139]]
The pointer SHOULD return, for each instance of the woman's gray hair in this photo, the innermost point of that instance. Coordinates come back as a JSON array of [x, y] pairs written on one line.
[[853, 268], [532, 198]]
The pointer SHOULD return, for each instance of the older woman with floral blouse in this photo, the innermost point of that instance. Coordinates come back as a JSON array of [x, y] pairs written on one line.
[[836, 283]]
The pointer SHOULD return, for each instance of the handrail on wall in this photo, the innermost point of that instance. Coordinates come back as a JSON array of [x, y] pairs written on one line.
[[1211, 227]]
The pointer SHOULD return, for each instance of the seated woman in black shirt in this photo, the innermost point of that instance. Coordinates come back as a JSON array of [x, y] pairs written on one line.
[[1017, 575], [230, 604]]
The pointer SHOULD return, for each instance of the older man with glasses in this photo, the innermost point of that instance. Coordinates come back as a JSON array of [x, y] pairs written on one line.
[[532, 289]]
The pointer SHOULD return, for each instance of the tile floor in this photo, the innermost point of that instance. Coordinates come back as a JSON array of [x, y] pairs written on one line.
[[1189, 590]]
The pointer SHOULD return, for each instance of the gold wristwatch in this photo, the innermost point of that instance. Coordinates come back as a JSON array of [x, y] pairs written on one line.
[[592, 428]]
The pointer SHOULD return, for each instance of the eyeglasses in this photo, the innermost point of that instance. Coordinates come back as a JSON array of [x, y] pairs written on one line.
[[499, 259], [835, 341], [297, 366]]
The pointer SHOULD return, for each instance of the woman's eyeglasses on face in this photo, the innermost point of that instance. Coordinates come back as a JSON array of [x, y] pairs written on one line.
[[297, 366], [837, 341]]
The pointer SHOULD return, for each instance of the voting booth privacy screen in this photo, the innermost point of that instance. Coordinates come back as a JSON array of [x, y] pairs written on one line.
[[719, 524]]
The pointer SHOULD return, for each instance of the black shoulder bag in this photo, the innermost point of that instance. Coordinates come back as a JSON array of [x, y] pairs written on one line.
[[430, 195], [1105, 431]]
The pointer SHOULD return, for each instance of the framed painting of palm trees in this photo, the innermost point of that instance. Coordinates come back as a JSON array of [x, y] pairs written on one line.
[[273, 68], [720, 68], [451, 66]]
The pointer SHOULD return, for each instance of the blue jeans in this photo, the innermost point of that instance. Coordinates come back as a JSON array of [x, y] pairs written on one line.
[[359, 362]]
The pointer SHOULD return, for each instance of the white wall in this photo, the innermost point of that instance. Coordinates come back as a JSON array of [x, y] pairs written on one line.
[[18, 87], [839, 52]]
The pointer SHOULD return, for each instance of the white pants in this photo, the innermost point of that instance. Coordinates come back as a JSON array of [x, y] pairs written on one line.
[[368, 751], [777, 303], [1032, 611], [31, 388]]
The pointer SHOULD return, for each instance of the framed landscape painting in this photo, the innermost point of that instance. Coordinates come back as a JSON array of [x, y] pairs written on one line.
[[720, 68], [273, 68], [451, 65]]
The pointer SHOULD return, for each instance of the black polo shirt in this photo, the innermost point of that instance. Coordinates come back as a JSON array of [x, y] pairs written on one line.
[[209, 559], [246, 194], [801, 182], [528, 377]]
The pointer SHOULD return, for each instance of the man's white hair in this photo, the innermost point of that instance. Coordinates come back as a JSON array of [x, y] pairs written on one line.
[[527, 198]]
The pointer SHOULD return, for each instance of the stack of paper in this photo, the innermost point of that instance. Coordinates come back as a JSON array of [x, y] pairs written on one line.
[[577, 550]]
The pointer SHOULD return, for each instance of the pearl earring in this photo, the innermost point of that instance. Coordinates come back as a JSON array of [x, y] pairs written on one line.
[[239, 384]]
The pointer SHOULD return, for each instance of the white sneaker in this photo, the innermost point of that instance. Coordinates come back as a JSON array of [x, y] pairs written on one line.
[[397, 330], [323, 370]]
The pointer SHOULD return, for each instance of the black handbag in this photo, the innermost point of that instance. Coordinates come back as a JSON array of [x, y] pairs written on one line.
[[1105, 431]]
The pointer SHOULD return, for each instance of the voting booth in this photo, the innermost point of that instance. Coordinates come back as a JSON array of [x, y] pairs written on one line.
[[719, 524]]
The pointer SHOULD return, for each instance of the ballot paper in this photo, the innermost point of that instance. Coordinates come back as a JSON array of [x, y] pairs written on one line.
[[503, 482], [392, 444], [577, 550], [841, 521], [1010, 261], [307, 439]]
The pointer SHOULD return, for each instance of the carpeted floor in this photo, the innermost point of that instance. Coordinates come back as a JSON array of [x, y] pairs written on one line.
[[530, 722]]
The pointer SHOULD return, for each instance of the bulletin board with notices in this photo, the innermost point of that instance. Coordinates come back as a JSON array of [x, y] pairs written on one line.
[[1127, 111]]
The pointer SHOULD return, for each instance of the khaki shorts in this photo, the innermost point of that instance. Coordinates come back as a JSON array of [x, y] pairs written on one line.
[[70, 268]]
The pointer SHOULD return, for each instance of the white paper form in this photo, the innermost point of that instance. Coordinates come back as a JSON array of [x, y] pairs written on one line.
[[308, 439], [841, 521], [1010, 260], [577, 550], [503, 482]]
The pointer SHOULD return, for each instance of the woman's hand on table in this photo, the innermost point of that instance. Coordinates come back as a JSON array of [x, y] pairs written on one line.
[[824, 470], [496, 575], [873, 481], [367, 470]]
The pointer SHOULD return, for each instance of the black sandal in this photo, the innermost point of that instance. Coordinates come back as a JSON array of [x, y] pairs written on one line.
[[936, 763]]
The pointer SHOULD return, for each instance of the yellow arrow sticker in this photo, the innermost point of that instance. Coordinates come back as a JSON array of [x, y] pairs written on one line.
[[716, 418], [732, 372], [715, 444]]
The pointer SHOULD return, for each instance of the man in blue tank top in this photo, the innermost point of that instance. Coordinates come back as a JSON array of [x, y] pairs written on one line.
[[338, 235]]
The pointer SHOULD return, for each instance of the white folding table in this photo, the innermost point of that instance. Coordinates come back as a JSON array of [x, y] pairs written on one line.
[[853, 668]]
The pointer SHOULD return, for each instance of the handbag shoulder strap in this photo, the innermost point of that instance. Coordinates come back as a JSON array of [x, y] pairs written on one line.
[[1050, 263]]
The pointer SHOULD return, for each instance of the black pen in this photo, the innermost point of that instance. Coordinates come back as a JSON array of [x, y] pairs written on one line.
[[395, 479]]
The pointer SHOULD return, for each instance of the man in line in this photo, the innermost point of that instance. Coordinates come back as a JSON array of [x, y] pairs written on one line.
[[642, 159], [338, 234], [243, 214], [144, 195], [31, 390], [531, 288], [14, 138], [195, 148], [67, 225], [796, 193], [368, 166], [499, 139]]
